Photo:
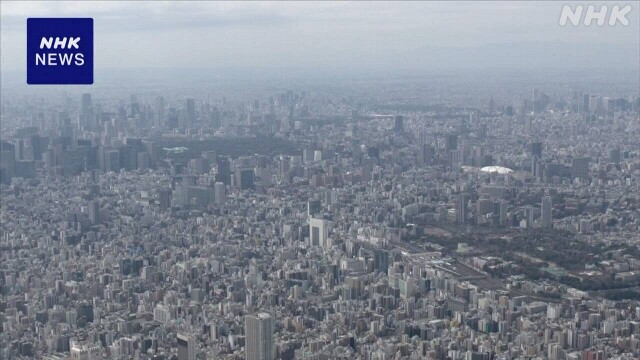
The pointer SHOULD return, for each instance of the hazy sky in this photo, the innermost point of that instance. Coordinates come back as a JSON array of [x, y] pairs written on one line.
[[332, 35]]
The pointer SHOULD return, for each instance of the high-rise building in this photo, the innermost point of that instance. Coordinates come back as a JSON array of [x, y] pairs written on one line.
[[503, 212], [425, 155], [585, 102], [191, 112], [373, 152], [317, 155], [186, 347], [313, 207], [86, 102], [244, 178], [258, 331], [7, 162], [86, 119], [111, 161], [318, 230], [452, 142], [219, 193], [94, 212], [160, 116], [461, 208], [580, 168], [546, 212], [165, 198], [535, 149], [398, 123], [529, 216], [143, 160], [455, 160], [614, 155], [307, 155], [224, 170]]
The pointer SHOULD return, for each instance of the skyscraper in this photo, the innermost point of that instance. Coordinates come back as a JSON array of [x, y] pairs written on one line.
[[454, 160], [94, 212], [614, 155], [224, 170], [191, 112], [319, 232], [86, 101], [461, 208], [219, 193], [165, 198], [425, 155], [258, 330], [245, 178], [86, 119], [580, 168], [186, 347], [398, 124], [451, 142], [535, 149], [313, 207], [529, 216], [160, 117], [547, 222], [503, 213]]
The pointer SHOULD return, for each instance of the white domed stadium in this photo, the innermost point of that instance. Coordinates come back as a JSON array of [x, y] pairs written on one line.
[[496, 170]]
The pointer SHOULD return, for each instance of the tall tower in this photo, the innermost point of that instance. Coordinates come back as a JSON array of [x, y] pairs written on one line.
[[461, 208], [503, 213], [547, 222], [186, 347], [94, 212], [86, 113], [398, 123], [535, 149], [160, 116], [86, 101], [224, 170], [219, 193], [191, 112], [258, 330]]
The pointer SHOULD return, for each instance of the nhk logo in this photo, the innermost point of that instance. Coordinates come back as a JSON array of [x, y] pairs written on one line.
[[616, 15], [60, 51], [53, 58]]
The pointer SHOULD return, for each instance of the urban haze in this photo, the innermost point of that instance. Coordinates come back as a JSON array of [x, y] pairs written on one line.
[[324, 180]]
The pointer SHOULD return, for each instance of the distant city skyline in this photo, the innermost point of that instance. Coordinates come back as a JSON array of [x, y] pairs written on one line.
[[314, 36]]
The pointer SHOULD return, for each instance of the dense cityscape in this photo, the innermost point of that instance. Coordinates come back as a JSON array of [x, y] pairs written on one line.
[[374, 220], [201, 180]]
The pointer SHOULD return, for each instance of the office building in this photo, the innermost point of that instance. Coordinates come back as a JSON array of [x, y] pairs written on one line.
[[546, 212], [319, 232], [190, 112], [580, 168], [244, 178], [219, 193], [223, 174], [461, 208], [94, 212], [258, 330], [186, 347], [398, 123], [535, 149]]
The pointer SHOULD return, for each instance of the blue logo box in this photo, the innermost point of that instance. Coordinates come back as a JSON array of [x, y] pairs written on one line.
[[60, 51]]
